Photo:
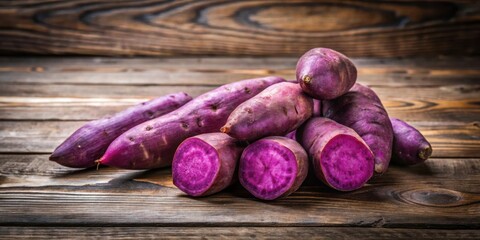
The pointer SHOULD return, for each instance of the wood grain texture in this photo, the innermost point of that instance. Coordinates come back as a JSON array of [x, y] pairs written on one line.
[[14, 232], [252, 28], [216, 71], [426, 195], [43, 100]]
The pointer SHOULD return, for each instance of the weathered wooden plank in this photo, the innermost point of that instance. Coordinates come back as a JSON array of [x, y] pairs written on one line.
[[215, 71], [449, 139], [440, 193], [259, 28], [452, 92], [17, 232], [77, 109]]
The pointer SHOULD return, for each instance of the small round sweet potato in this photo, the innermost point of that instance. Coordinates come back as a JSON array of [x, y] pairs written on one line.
[[325, 74]]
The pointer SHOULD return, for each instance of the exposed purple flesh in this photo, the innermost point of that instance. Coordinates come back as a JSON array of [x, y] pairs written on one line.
[[89, 143], [273, 167], [367, 116], [341, 159], [205, 164]]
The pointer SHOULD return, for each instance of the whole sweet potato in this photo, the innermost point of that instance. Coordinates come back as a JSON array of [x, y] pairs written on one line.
[[340, 157], [325, 74], [88, 143], [152, 144], [276, 111], [366, 115], [409, 146], [205, 164], [273, 167]]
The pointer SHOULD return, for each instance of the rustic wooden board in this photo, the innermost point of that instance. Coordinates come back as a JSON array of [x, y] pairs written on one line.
[[426, 195], [43, 100], [253, 28], [215, 71], [234, 232]]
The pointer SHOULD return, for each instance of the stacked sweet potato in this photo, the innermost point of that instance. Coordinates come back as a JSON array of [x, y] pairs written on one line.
[[267, 130]]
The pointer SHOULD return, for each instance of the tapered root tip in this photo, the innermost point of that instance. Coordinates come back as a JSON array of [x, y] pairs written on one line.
[[53, 157], [425, 153], [98, 162], [225, 129]]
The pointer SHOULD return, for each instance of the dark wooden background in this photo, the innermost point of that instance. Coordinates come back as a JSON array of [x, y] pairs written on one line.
[[232, 28]]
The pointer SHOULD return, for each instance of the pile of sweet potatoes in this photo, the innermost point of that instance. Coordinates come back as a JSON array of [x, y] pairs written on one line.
[[265, 132]]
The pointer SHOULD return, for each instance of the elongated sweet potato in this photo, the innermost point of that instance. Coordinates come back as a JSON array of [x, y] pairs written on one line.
[[409, 146], [88, 143], [205, 164], [325, 74], [273, 167], [153, 143], [276, 111], [366, 115], [340, 157]]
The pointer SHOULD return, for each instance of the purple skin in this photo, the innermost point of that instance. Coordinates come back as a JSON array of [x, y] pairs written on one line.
[[205, 164], [317, 108], [340, 157], [292, 135], [89, 143], [325, 74], [357, 87], [276, 111], [409, 146], [369, 119], [152, 144], [273, 167]]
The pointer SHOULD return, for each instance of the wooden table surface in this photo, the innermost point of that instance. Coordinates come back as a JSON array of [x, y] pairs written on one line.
[[43, 100]]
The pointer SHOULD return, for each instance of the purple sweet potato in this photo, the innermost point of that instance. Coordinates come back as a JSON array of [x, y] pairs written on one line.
[[368, 92], [366, 115], [325, 74], [205, 164], [273, 167], [317, 108], [89, 143], [409, 146], [340, 157], [152, 144], [292, 135], [276, 111]]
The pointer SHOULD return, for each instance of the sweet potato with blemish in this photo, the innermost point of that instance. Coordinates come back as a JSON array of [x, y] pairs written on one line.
[[276, 111], [205, 164], [273, 167], [410, 147], [89, 143], [365, 114], [325, 74], [153, 143], [340, 157]]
